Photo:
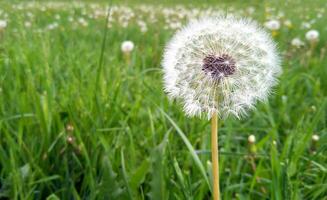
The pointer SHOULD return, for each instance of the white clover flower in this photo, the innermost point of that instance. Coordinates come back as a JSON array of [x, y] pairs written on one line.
[[273, 25], [127, 46], [3, 24], [251, 139], [297, 42], [220, 66], [312, 35]]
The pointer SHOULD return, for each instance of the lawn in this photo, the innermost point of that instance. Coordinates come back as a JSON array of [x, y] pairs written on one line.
[[80, 120]]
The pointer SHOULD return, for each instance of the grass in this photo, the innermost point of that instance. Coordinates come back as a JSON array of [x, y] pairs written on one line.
[[70, 129]]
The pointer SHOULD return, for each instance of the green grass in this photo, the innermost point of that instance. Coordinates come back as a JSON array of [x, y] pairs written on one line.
[[128, 140]]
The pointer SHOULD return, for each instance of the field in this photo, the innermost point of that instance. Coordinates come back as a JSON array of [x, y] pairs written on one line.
[[81, 120]]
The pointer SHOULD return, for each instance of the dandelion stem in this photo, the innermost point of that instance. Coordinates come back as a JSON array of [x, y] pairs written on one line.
[[215, 156], [127, 58]]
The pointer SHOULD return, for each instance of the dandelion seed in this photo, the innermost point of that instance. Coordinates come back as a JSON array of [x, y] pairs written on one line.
[[220, 65]]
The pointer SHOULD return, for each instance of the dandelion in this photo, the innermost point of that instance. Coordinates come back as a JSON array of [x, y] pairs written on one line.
[[297, 42], [53, 26], [70, 19], [252, 146], [219, 67], [27, 24], [288, 23], [3, 24], [315, 138], [312, 36], [273, 25], [305, 25], [127, 47], [69, 127], [82, 22], [251, 139], [70, 139]]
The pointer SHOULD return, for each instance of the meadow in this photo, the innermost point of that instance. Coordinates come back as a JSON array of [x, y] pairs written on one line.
[[80, 121]]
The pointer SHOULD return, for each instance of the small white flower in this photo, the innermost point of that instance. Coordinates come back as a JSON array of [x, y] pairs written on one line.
[[297, 42], [251, 139], [250, 10], [127, 46], [273, 25], [57, 16], [53, 26], [28, 24], [70, 19], [288, 23], [315, 138], [305, 25], [220, 66], [82, 21], [3, 24], [312, 35]]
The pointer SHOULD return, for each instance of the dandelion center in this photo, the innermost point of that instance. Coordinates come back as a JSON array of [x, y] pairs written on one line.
[[218, 67]]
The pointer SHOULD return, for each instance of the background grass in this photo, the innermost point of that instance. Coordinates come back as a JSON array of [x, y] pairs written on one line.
[[72, 127]]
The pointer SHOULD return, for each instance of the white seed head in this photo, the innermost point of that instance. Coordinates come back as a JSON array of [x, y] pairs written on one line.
[[312, 35], [251, 139], [3, 24], [220, 65], [297, 42], [273, 25], [315, 138], [127, 46]]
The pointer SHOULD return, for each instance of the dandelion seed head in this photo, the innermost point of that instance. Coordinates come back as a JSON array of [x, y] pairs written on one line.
[[315, 137], [312, 35], [273, 25], [127, 46], [3, 24], [297, 42], [220, 65], [251, 139]]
